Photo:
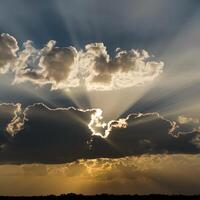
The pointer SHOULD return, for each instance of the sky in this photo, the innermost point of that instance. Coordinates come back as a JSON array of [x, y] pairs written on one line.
[[99, 97]]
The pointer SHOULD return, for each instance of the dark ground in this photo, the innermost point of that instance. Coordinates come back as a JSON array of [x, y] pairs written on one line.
[[105, 196]]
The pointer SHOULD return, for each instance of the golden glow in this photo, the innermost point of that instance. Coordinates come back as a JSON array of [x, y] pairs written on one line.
[[141, 175]]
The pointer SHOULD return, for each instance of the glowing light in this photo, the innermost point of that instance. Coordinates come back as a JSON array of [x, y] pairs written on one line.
[[100, 128]]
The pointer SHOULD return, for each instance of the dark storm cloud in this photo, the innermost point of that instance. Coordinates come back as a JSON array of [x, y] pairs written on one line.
[[62, 135]]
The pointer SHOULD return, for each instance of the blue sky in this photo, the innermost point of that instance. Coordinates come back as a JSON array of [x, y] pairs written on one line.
[[143, 24]]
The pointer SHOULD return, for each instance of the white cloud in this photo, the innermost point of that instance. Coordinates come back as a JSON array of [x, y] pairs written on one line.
[[10, 117], [126, 69], [17, 122], [49, 65], [65, 67]]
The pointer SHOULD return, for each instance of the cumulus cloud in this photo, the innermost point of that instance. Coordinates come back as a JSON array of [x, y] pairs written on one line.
[[26, 64], [57, 63], [58, 135], [126, 69], [65, 67], [8, 49], [50, 65]]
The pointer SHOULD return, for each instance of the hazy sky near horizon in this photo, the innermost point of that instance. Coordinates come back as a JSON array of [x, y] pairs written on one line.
[[99, 96]]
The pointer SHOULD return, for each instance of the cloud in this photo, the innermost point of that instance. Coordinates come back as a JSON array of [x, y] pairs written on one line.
[[188, 124], [34, 170], [185, 120], [62, 135], [66, 67], [106, 128], [126, 69], [26, 64], [144, 174], [57, 63], [50, 65], [8, 114], [8, 49], [17, 122], [8, 117], [100, 128]]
